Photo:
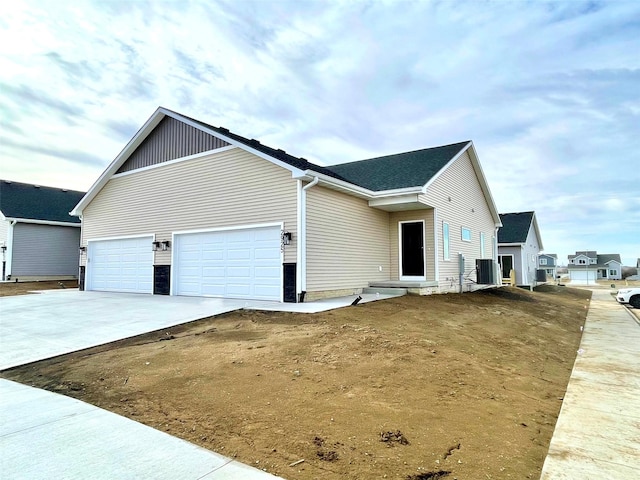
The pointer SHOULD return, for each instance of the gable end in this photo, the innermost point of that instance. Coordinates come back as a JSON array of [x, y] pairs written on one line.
[[169, 140]]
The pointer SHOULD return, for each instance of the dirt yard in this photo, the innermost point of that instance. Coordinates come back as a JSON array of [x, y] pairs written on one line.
[[446, 386], [24, 288]]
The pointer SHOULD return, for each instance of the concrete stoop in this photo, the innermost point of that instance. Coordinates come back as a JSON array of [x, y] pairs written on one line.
[[385, 291]]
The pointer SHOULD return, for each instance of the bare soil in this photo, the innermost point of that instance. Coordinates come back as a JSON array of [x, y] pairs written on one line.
[[24, 288], [445, 386]]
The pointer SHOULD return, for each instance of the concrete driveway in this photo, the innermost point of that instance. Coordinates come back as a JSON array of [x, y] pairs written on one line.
[[39, 326], [44, 435]]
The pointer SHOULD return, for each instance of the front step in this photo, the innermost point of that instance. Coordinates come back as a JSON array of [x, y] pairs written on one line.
[[385, 290]]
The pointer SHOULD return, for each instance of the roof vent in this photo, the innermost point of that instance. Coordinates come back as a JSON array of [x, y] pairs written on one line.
[[36, 186], [253, 140], [280, 150], [64, 190]]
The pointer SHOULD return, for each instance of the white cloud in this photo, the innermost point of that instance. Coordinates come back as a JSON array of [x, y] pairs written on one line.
[[547, 91]]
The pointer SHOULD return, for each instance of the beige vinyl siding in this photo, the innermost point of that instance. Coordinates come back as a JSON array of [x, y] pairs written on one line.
[[460, 183], [226, 189], [347, 241], [394, 219]]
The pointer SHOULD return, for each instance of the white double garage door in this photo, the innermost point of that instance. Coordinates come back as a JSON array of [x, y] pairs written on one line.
[[583, 277], [238, 263]]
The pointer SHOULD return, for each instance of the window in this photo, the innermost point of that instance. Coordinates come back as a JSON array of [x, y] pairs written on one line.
[[582, 261], [445, 241], [612, 272], [481, 244], [466, 234], [543, 261]]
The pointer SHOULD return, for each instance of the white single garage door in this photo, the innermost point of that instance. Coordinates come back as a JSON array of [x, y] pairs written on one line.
[[582, 276], [244, 263], [123, 265]]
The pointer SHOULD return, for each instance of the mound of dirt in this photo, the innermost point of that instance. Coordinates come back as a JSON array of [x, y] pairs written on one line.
[[474, 381]]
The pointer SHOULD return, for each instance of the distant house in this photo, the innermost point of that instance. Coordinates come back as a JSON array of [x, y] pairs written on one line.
[[549, 263], [587, 266], [38, 237], [519, 244]]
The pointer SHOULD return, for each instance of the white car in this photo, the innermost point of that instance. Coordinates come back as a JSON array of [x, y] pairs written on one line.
[[630, 296]]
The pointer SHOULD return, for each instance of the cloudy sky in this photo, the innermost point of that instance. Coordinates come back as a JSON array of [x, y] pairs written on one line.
[[549, 92]]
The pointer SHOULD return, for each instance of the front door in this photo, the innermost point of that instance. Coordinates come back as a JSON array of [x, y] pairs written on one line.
[[412, 261], [506, 265]]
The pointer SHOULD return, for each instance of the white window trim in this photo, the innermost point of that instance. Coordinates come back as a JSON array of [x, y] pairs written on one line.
[[424, 251], [446, 245]]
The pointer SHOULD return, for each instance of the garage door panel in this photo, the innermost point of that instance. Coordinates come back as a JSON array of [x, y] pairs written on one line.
[[243, 263], [122, 265]]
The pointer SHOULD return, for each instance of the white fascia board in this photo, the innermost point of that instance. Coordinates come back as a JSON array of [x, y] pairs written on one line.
[[395, 200], [515, 244], [475, 162], [134, 143], [43, 222], [144, 132], [360, 191], [295, 172], [537, 231]]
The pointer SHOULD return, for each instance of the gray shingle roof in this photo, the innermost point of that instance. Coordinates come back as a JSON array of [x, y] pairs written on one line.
[[515, 227], [402, 170], [33, 202]]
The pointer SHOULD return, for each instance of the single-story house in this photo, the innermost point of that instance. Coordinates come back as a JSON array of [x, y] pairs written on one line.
[[549, 263], [587, 266], [191, 209], [38, 237], [519, 244]]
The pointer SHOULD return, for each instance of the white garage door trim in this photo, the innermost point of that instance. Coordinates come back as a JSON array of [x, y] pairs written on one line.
[[269, 286], [140, 268], [583, 276]]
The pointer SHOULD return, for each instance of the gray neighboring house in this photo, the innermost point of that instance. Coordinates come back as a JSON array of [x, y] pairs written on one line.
[[191, 209], [38, 237], [519, 244], [549, 263], [587, 266]]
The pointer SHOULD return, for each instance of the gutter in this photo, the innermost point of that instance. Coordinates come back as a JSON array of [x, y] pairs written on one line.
[[9, 257]]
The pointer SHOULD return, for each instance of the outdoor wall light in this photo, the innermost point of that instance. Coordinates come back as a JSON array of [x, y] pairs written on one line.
[[165, 245], [155, 246], [286, 238], [82, 249], [4, 248]]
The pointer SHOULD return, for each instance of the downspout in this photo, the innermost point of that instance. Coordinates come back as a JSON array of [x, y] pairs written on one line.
[[496, 264], [302, 238], [9, 256]]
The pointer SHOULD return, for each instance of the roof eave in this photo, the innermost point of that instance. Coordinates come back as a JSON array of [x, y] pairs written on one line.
[[475, 162], [43, 222], [144, 132]]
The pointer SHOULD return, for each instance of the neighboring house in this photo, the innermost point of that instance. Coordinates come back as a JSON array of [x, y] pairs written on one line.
[[191, 209], [38, 237], [587, 266], [519, 244], [549, 263]]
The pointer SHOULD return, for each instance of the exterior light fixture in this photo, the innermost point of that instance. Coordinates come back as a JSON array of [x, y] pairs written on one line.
[[286, 238], [165, 245], [81, 249], [155, 246]]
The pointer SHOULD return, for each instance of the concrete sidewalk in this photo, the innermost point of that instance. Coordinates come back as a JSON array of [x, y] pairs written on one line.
[[597, 435], [44, 435]]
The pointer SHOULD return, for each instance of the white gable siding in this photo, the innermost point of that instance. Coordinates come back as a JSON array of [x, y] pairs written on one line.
[[226, 189], [347, 242], [530, 252], [468, 208]]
